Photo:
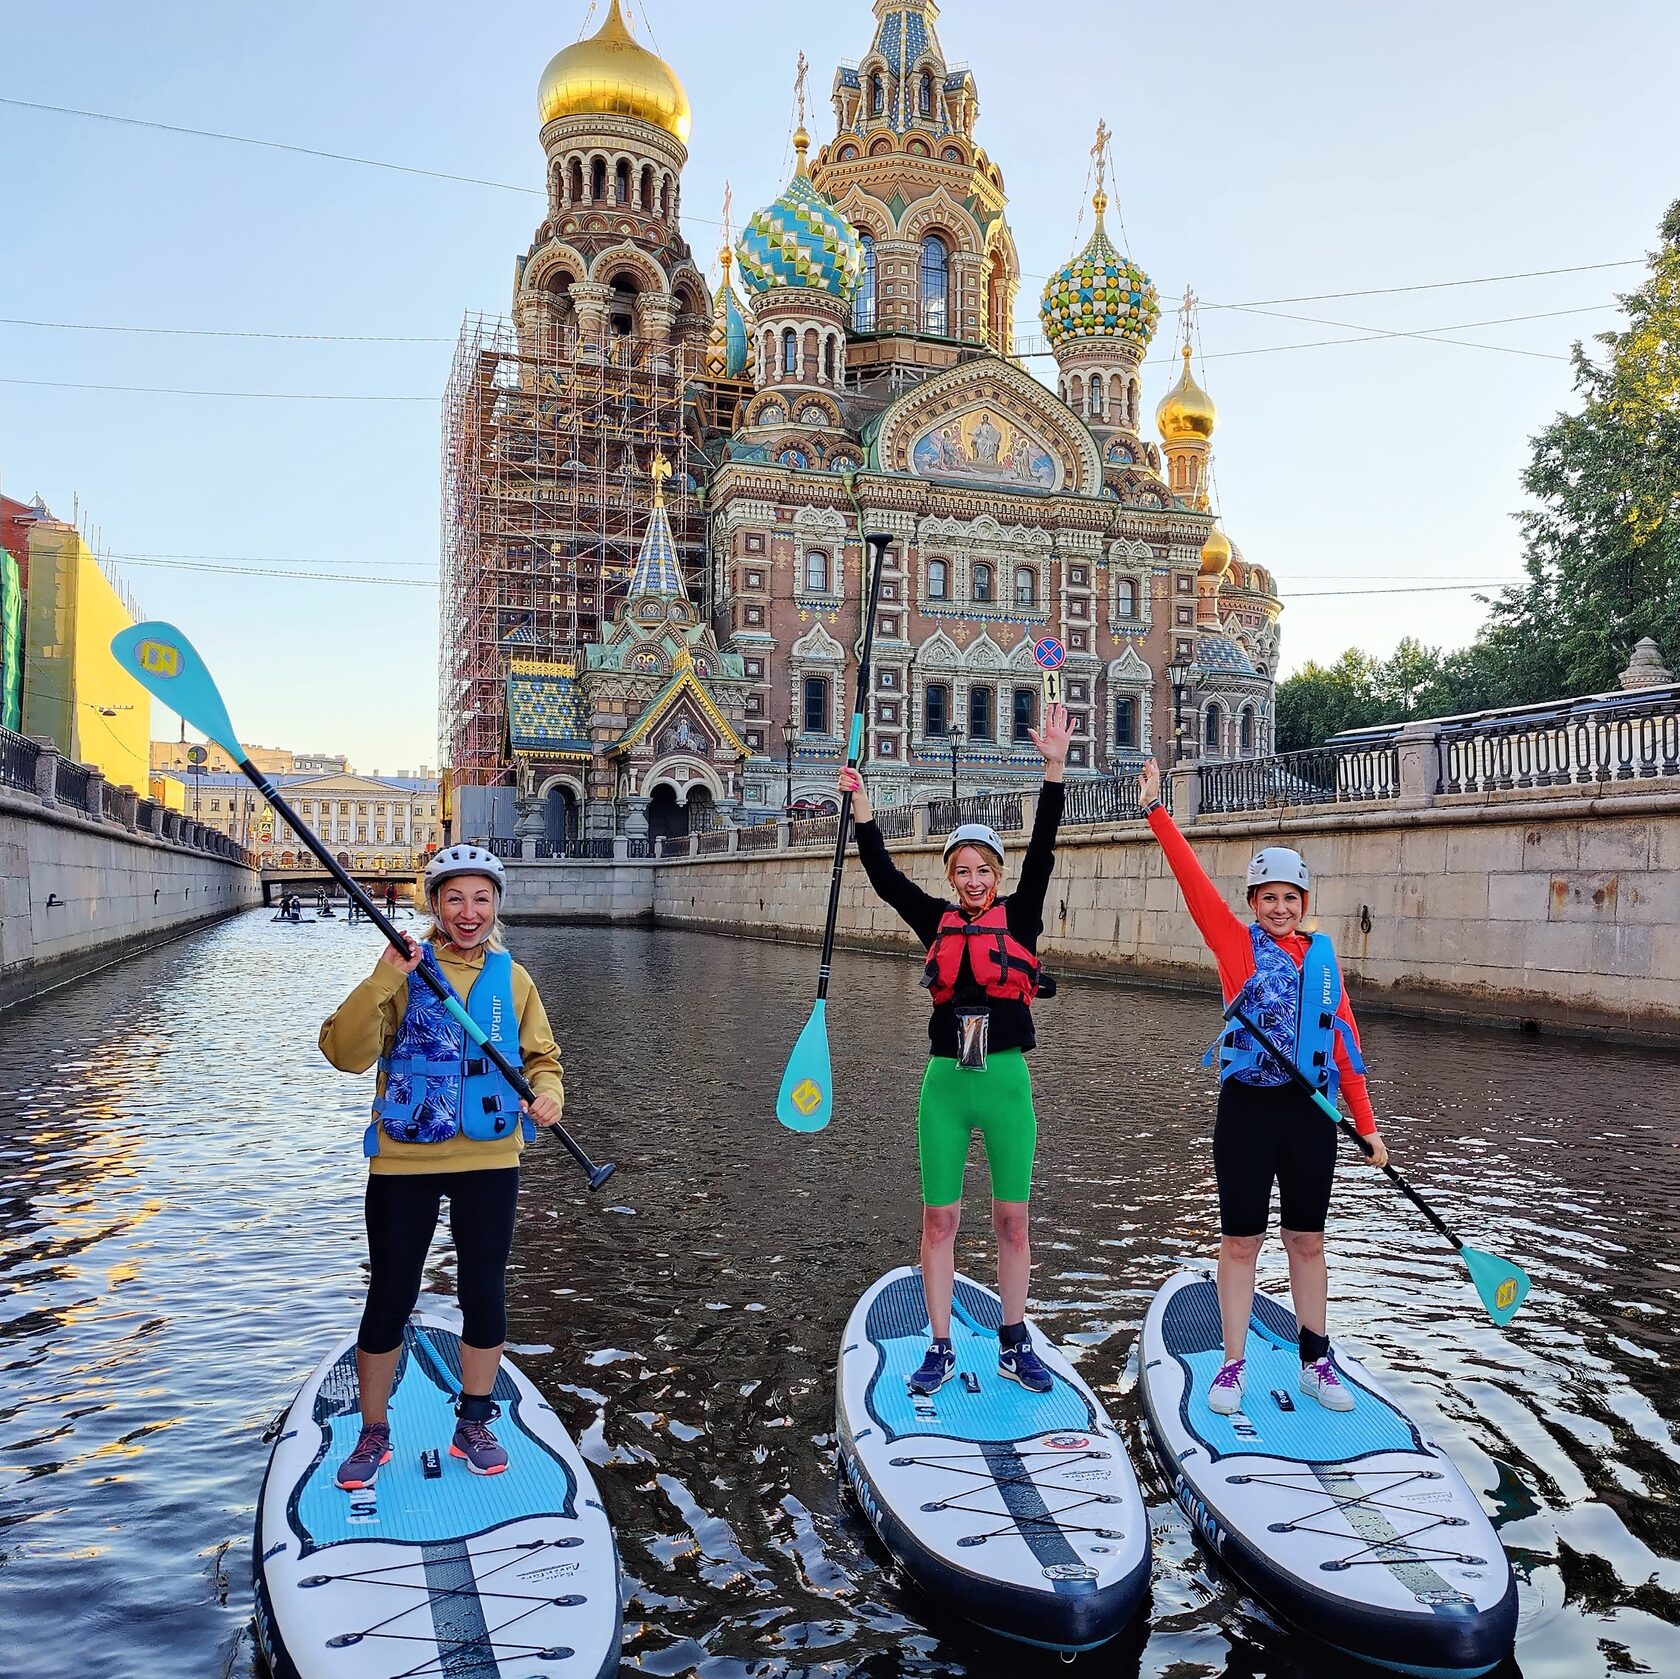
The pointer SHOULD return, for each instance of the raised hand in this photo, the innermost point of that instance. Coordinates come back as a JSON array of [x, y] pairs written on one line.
[[1149, 783], [1052, 740]]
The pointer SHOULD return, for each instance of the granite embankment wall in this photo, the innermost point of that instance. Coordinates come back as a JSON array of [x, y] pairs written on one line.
[[1557, 907], [79, 892]]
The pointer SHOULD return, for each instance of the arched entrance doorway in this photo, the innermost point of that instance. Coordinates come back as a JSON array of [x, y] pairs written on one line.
[[701, 812], [665, 817], [559, 817]]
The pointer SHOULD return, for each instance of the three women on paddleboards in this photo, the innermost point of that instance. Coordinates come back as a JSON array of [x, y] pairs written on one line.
[[1268, 1129], [983, 973], [445, 1123]]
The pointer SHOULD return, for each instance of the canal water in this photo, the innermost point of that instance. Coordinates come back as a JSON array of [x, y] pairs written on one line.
[[180, 1239]]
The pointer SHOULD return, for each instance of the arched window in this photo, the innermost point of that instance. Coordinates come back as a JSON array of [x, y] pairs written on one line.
[[939, 580], [621, 180], [575, 177], [997, 302], [816, 705], [982, 581], [1126, 598], [936, 285], [598, 178], [790, 351], [1026, 586], [863, 304], [830, 363], [924, 95], [1125, 722], [1246, 726], [936, 709], [1021, 718], [647, 186], [1096, 396], [877, 94], [1210, 729], [816, 572]]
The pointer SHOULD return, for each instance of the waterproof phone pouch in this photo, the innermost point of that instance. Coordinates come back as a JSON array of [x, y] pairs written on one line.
[[974, 1031]]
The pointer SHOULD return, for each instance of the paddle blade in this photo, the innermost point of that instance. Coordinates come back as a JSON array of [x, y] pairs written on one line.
[[806, 1099], [168, 667], [1502, 1285]]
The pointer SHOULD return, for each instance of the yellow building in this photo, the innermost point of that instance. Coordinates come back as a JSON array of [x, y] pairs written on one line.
[[172, 755], [77, 694]]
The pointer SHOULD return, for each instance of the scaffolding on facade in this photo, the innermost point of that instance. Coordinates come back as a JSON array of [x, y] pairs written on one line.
[[547, 448]]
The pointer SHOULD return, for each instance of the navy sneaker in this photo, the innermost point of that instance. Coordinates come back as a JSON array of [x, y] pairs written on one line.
[[936, 1369], [1021, 1364]]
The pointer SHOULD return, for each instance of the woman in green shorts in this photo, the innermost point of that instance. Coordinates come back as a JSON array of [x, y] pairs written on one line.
[[982, 970]]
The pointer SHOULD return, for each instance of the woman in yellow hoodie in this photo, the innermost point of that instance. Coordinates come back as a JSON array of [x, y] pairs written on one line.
[[445, 1123]]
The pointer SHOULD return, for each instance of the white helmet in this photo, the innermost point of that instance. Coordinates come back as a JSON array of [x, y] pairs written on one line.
[[974, 833], [464, 859], [1277, 863]]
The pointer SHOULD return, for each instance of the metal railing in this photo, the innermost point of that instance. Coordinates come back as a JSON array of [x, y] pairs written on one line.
[[1108, 800], [762, 837], [74, 783], [638, 850], [1325, 776], [896, 823], [1568, 745], [711, 842], [111, 802], [1001, 811], [18, 756], [813, 830], [677, 845]]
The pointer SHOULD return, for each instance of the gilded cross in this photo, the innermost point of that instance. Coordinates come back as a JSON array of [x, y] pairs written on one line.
[[799, 87], [1099, 151], [1187, 315]]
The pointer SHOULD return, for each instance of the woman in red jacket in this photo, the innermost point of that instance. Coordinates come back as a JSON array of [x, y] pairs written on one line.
[[1268, 1129]]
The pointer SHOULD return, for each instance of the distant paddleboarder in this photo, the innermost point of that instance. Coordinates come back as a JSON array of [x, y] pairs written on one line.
[[1268, 1130], [983, 974], [445, 1123]]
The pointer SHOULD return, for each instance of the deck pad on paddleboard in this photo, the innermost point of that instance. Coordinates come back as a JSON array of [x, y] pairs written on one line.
[[1016, 1510], [432, 1573], [1349, 1525]]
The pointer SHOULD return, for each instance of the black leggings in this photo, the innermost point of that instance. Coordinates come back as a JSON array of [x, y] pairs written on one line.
[[402, 1213], [1266, 1133]]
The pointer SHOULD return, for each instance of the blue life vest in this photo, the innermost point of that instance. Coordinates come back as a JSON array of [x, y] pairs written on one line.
[[437, 1084], [1296, 1008]]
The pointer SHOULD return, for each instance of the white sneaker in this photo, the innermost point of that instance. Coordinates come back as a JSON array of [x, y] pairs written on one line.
[[1322, 1382], [1225, 1392]]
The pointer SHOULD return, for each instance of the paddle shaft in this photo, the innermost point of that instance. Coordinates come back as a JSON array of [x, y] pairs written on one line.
[[875, 547], [1235, 1011], [398, 943]]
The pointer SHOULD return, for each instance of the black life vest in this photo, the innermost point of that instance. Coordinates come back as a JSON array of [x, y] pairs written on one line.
[[1003, 967]]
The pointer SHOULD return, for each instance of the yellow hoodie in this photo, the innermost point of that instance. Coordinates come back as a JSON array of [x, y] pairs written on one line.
[[364, 1027]]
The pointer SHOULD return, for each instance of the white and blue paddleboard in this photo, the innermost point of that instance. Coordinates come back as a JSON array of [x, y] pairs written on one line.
[[1349, 1525], [1018, 1511], [432, 1570]]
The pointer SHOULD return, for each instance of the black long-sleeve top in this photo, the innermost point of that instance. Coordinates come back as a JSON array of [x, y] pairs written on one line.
[[1012, 1023]]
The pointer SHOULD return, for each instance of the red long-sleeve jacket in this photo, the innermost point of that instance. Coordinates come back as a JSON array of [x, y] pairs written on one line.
[[1227, 936]]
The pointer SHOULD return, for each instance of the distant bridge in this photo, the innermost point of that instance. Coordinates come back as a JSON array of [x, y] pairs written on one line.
[[306, 879]]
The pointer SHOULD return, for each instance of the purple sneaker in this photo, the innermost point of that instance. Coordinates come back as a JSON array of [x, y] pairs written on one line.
[[372, 1453], [476, 1446], [1321, 1381], [1226, 1390]]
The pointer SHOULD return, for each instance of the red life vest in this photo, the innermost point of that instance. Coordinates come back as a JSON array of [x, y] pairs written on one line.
[[1002, 966]]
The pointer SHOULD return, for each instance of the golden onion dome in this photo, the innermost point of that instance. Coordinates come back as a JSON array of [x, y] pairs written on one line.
[[611, 74], [1186, 411], [1216, 553]]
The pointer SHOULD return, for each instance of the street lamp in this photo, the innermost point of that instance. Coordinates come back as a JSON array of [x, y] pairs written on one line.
[[1178, 674], [956, 735], [787, 746]]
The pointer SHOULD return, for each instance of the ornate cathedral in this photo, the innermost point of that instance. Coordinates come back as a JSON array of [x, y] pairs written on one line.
[[672, 627]]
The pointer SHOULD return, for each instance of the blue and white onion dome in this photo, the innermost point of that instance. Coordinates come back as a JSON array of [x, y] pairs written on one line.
[[801, 241], [1100, 293]]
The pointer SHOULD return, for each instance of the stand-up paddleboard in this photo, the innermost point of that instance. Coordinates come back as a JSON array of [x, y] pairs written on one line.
[[1348, 1525], [1018, 1511], [432, 1570]]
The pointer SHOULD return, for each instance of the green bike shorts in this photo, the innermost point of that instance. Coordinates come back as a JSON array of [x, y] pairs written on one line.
[[996, 1102]]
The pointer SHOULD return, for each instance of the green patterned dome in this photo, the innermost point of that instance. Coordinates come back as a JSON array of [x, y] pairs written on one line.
[[1099, 294], [801, 241]]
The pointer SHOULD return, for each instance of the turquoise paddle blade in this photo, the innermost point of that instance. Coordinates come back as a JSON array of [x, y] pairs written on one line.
[[168, 667], [1502, 1285], [806, 1098]]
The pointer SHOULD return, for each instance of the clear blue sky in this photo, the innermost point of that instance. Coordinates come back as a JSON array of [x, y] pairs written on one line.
[[1264, 152]]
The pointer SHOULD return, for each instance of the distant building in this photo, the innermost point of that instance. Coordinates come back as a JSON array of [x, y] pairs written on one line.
[[77, 695], [368, 823], [271, 760]]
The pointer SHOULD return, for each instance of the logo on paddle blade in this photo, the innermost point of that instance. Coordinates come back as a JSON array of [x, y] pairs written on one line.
[[1507, 1292], [807, 1096], [158, 657]]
